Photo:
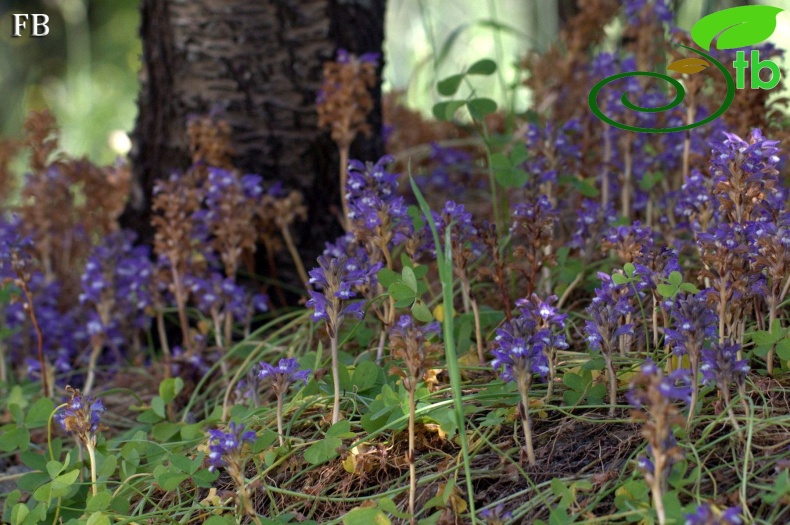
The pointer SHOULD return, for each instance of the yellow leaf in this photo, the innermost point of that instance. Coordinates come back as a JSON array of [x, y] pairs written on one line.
[[433, 427], [536, 404], [350, 463], [689, 66], [438, 312]]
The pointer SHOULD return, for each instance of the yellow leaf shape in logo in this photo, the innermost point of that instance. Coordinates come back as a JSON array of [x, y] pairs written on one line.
[[689, 66]]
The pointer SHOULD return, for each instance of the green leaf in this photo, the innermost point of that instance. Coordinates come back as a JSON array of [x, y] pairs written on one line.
[[341, 429], [765, 338], [572, 397], [39, 413], [449, 86], [387, 277], [482, 67], [365, 376], [54, 468], [65, 480], [264, 441], [171, 480], [402, 292], [420, 271], [409, 279], [421, 312], [585, 187], [689, 288], [480, 107], [511, 177], [387, 505], [675, 278], [205, 479], [736, 27], [98, 502], [366, 516], [170, 388], [323, 450], [629, 269], [158, 406], [783, 349], [13, 437], [220, 520], [98, 518], [518, 154], [445, 110], [619, 279], [666, 290], [574, 381], [500, 161]]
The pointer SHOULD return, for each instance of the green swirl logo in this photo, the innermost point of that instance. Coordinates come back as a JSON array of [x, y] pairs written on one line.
[[735, 27]]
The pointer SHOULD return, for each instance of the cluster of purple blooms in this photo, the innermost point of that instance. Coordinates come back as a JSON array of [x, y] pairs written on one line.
[[282, 376], [225, 448], [704, 515], [336, 282], [214, 293], [721, 366], [608, 311], [116, 286], [375, 208], [524, 345], [82, 417]]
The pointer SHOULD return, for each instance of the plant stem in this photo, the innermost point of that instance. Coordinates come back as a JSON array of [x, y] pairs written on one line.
[[39, 338], [289, 243], [478, 333], [160, 327], [335, 379], [411, 459], [95, 351], [280, 432], [92, 456], [658, 499], [178, 291], [523, 386], [343, 179], [694, 389], [612, 383]]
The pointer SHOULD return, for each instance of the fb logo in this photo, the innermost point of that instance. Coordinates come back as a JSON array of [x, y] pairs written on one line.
[[40, 24], [733, 28]]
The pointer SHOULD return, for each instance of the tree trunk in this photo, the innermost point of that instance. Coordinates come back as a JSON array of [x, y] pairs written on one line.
[[260, 63]]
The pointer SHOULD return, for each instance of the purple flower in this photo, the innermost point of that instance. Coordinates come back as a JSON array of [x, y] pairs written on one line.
[[375, 210], [648, 11], [82, 417], [542, 312], [496, 516], [519, 350], [337, 281], [607, 310], [704, 515], [721, 366], [672, 387], [225, 447], [693, 322], [286, 373]]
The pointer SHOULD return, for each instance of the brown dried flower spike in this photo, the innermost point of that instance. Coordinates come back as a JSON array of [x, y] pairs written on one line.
[[344, 103]]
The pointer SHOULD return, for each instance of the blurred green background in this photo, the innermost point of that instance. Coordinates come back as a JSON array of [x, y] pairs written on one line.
[[86, 69]]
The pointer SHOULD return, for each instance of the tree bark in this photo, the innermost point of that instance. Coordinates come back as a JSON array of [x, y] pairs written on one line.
[[260, 63]]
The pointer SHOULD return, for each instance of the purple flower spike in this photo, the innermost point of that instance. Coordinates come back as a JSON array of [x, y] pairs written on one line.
[[721, 366], [225, 447], [704, 515], [286, 373], [82, 417]]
